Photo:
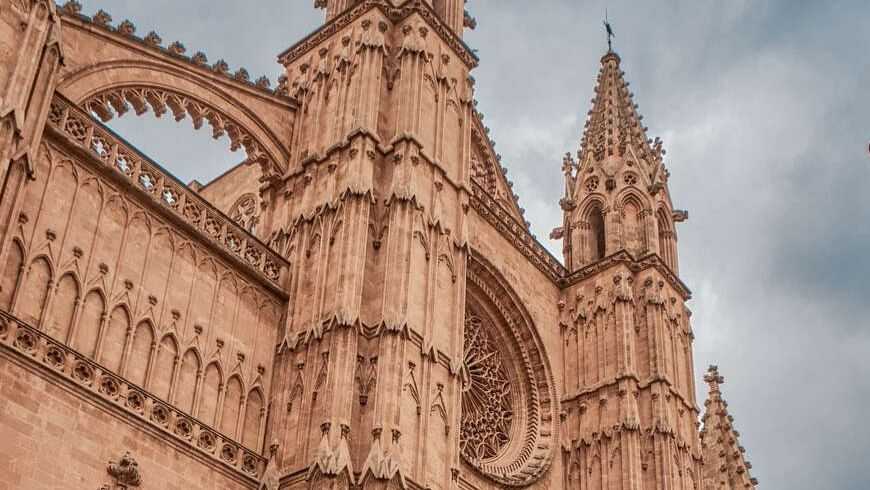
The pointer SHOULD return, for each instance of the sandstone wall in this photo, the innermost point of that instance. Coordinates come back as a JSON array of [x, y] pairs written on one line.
[[98, 269]]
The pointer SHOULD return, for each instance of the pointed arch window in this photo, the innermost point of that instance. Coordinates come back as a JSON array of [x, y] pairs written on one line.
[[597, 240]]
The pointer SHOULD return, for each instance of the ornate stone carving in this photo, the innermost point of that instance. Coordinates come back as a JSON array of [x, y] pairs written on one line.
[[244, 212], [125, 472], [487, 407], [119, 101]]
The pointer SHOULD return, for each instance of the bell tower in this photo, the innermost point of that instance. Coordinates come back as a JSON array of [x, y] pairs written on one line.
[[629, 410], [616, 193]]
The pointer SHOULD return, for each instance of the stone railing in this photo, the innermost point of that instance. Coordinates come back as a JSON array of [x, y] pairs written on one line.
[[69, 364], [84, 131]]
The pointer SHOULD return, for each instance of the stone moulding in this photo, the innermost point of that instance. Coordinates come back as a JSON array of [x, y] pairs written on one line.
[[82, 130], [651, 260], [641, 384], [189, 433], [395, 14], [304, 338]]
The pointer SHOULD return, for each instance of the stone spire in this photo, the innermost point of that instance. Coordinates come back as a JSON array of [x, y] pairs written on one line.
[[616, 195], [613, 126], [725, 465]]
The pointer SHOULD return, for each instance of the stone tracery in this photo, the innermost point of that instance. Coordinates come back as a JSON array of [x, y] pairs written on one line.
[[508, 398], [119, 100], [487, 406]]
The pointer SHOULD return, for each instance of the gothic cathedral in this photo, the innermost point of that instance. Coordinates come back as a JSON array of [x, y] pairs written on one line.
[[359, 303]]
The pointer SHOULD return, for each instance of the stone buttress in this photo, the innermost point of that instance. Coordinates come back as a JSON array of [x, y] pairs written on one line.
[[372, 217]]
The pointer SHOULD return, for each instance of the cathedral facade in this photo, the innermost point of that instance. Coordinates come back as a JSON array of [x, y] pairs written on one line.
[[359, 304]]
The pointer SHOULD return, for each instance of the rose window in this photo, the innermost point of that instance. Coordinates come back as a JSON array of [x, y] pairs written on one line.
[[487, 406], [508, 400]]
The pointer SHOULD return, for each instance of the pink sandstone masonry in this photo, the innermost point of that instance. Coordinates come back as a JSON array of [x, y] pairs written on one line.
[[359, 303]]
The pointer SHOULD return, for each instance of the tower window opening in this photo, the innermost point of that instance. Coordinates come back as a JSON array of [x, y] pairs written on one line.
[[596, 233]]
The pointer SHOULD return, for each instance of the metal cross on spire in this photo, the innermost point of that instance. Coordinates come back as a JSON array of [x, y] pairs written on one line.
[[610, 34]]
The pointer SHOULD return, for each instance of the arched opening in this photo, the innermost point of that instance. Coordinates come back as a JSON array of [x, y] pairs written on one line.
[[253, 416], [164, 367], [192, 155], [90, 322], [189, 154], [115, 339], [597, 237]]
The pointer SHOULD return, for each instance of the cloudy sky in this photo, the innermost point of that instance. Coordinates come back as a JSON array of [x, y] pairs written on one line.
[[764, 108]]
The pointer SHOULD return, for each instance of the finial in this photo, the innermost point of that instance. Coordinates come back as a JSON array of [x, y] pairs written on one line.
[[713, 378], [610, 34]]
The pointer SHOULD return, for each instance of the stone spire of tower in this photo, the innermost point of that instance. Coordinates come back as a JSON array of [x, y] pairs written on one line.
[[613, 126], [616, 195], [725, 465]]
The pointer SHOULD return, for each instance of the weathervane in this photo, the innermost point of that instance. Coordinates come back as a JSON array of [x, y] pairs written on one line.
[[610, 34]]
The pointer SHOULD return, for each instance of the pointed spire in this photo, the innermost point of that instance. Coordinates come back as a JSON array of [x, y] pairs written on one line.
[[613, 126], [724, 460]]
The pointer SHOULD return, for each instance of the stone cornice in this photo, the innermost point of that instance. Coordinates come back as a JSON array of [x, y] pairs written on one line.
[[395, 14], [106, 150], [614, 382], [304, 338], [99, 24], [134, 405], [516, 234], [648, 261]]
